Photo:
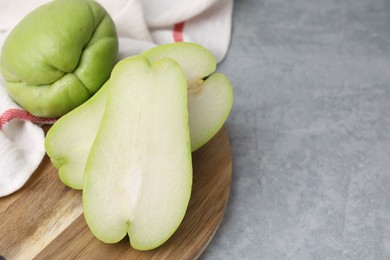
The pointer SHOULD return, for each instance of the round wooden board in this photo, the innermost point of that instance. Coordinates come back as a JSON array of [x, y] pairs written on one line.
[[44, 219]]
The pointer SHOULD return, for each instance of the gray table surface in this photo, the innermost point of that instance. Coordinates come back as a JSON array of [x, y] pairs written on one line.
[[310, 131]]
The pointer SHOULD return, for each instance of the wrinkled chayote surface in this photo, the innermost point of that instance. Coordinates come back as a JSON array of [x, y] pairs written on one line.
[[58, 56]]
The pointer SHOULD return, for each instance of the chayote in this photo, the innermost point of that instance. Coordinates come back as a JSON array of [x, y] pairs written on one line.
[[58, 56]]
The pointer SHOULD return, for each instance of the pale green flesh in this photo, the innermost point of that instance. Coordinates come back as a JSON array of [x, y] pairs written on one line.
[[197, 62], [69, 140], [138, 175], [209, 105], [209, 109]]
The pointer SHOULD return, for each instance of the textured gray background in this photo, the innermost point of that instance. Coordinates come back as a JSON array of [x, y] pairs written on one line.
[[310, 131]]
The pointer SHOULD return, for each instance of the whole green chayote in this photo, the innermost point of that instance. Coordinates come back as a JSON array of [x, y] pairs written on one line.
[[58, 56]]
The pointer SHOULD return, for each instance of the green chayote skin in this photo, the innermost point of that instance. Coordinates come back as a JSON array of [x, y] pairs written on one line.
[[58, 56]]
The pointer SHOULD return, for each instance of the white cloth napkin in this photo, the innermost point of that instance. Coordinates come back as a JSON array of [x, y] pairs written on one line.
[[141, 24]]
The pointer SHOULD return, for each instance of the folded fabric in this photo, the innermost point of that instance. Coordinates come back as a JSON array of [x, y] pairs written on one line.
[[21, 144], [141, 24]]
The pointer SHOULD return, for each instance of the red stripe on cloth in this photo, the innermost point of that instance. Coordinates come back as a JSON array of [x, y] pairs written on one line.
[[178, 29], [16, 113]]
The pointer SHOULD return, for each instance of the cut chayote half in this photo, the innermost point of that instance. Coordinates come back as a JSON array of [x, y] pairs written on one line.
[[58, 56]]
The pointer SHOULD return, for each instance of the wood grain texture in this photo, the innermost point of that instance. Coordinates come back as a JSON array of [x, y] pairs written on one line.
[[44, 219]]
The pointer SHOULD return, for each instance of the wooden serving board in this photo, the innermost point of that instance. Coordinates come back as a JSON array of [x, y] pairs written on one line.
[[44, 220]]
